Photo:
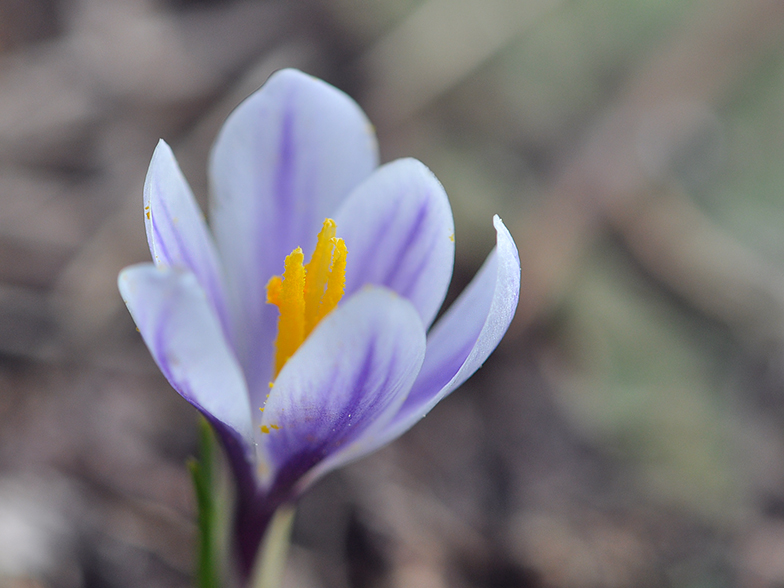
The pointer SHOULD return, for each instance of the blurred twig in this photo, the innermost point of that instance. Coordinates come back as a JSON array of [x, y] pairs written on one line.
[[700, 64], [678, 244], [438, 45]]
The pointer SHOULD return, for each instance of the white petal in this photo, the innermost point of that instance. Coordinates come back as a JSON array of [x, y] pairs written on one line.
[[284, 160], [348, 379], [176, 231], [399, 233], [185, 339], [462, 339]]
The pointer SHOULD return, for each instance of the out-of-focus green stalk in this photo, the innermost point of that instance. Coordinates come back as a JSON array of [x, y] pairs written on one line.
[[206, 475]]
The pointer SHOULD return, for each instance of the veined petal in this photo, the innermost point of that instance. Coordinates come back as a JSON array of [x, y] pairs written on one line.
[[176, 231], [399, 233], [283, 161], [462, 339], [185, 339], [348, 379]]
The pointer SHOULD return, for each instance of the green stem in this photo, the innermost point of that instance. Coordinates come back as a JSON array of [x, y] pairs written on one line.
[[205, 472]]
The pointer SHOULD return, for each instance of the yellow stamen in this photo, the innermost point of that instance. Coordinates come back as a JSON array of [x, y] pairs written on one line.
[[291, 303], [317, 272], [336, 281], [305, 294]]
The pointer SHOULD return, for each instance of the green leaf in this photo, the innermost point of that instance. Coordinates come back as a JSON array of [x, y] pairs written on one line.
[[213, 508]]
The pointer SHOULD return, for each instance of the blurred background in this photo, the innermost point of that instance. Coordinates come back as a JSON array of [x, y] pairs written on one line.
[[629, 431]]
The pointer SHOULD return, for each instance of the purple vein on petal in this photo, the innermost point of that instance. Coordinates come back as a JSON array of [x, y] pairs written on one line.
[[283, 161], [405, 245], [386, 232], [469, 330], [182, 256], [434, 380], [161, 251], [206, 278], [415, 271], [283, 183], [396, 226], [349, 378], [187, 342], [182, 387], [299, 461]]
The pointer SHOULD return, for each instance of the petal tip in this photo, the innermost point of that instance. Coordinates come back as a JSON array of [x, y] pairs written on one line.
[[505, 241]]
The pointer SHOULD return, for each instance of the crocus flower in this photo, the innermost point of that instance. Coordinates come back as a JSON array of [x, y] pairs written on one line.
[[301, 368]]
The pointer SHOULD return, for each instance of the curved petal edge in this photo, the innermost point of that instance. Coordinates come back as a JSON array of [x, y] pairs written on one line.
[[284, 160], [400, 234], [177, 233], [348, 379], [462, 339], [186, 341]]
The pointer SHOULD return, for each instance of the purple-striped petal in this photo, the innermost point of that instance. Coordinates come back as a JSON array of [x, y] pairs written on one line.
[[460, 342], [348, 379], [186, 340], [399, 232], [176, 231], [284, 160]]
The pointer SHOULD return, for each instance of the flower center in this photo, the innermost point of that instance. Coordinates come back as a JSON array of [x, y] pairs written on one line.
[[306, 293]]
